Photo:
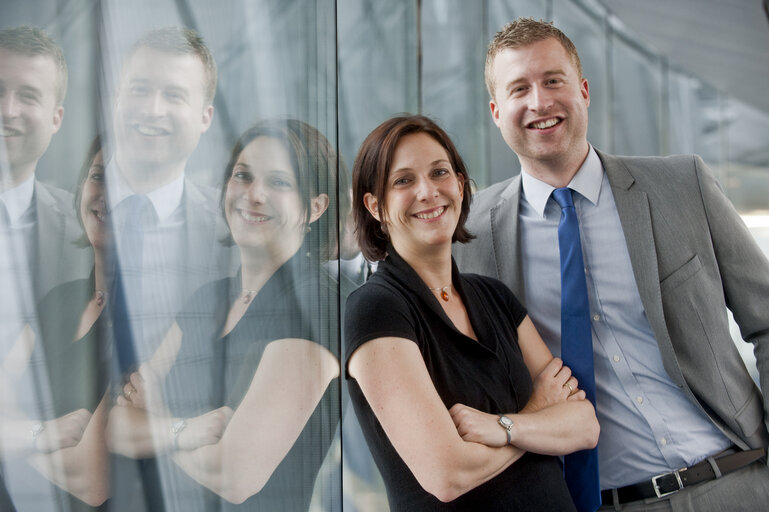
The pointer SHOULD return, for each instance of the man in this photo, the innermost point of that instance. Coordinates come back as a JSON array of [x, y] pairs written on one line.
[[167, 233], [165, 226], [664, 254], [37, 219], [38, 231]]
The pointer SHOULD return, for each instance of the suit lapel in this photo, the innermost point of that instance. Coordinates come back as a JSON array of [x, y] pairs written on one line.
[[49, 233], [635, 217], [506, 249]]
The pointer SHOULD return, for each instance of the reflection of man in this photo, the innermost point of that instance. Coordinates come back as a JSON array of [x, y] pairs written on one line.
[[164, 224], [664, 254], [37, 251], [166, 241], [38, 219]]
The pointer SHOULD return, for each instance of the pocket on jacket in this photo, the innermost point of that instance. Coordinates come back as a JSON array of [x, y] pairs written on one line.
[[751, 415], [680, 275]]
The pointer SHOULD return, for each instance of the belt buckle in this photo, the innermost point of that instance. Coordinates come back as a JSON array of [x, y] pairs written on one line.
[[657, 487]]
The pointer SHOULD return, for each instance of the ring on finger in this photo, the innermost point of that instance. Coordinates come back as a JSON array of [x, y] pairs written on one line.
[[571, 389], [127, 394]]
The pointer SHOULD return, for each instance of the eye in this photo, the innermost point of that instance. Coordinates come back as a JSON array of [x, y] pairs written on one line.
[[96, 177], [441, 172], [28, 97], [242, 176], [139, 90], [401, 181], [174, 96], [553, 81], [281, 183]]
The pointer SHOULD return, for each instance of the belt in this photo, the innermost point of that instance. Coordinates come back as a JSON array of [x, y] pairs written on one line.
[[670, 483]]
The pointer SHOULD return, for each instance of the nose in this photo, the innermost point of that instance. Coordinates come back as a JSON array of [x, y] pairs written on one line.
[[540, 99], [9, 105], [257, 192], [426, 189], [154, 105]]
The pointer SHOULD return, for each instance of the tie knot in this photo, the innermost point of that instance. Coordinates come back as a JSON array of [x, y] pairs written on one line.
[[136, 210], [563, 197]]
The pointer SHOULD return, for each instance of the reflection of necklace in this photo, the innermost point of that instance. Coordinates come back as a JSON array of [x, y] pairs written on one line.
[[444, 291], [248, 295], [99, 296]]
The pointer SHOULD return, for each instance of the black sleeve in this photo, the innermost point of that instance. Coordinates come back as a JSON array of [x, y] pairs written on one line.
[[373, 311]]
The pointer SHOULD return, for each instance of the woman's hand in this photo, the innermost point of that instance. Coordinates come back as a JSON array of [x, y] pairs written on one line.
[[553, 385], [142, 391], [204, 429], [63, 432], [478, 427]]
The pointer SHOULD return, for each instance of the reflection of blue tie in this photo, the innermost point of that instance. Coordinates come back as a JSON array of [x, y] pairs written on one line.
[[580, 468], [128, 280]]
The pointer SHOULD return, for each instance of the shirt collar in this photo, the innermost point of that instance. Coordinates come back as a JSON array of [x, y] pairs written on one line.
[[165, 199], [587, 182], [18, 199]]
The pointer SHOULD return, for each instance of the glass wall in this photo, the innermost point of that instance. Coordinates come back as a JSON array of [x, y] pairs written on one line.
[[175, 239]]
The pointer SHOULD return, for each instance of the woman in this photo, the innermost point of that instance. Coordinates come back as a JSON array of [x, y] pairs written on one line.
[[435, 357], [70, 450], [257, 349]]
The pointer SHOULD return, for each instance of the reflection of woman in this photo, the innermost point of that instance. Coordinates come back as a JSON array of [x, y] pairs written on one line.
[[257, 346], [72, 332], [422, 339]]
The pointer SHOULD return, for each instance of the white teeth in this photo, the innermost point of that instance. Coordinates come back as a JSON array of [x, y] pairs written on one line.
[[100, 215], [431, 215], [546, 124], [254, 218], [150, 131], [9, 132]]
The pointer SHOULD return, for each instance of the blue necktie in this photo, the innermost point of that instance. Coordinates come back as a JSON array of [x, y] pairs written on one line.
[[580, 468]]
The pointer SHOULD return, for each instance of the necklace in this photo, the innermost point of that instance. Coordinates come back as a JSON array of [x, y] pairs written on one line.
[[444, 291], [248, 295], [99, 296]]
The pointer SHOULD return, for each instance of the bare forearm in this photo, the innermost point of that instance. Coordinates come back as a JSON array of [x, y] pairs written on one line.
[[134, 433], [559, 429]]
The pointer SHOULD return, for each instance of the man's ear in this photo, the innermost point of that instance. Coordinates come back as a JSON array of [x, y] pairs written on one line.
[[372, 205], [58, 117], [494, 111], [318, 205], [208, 116]]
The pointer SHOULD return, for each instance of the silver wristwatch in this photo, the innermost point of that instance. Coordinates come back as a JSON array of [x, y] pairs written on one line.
[[176, 429], [507, 424]]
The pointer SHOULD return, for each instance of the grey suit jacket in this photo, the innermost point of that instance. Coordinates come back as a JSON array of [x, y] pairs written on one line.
[[58, 257], [692, 257]]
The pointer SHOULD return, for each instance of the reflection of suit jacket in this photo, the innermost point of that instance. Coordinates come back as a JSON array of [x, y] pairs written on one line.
[[691, 256], [58, 258]]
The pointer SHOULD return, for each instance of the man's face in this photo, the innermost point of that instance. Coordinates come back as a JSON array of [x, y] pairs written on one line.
[[161, 111], [30, 112], [540, 104]]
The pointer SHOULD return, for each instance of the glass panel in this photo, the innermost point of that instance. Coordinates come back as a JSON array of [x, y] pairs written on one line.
[[586, 30], [636, 96]]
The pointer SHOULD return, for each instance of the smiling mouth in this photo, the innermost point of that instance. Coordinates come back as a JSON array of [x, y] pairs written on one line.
[[10, 132], [150, 131], [255, 218], [431, 215], [543, 125], [100, 215]]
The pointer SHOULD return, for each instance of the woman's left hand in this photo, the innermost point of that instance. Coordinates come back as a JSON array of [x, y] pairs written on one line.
[[143, 391], [478, 427]]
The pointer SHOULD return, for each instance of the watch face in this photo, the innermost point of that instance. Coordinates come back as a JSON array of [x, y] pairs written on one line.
[[505, 422]]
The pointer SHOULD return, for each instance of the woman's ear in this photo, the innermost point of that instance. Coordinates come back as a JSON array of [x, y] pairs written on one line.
[[372, 205], [318, 205]]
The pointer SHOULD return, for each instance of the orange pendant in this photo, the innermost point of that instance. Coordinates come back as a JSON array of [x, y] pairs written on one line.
[[445, 295]]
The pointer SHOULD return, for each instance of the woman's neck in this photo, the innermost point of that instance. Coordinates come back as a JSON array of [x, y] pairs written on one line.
[[432, 265], [257, 266], [99, 275]]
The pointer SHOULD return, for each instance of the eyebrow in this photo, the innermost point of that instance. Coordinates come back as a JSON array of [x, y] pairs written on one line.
[[434, 162]]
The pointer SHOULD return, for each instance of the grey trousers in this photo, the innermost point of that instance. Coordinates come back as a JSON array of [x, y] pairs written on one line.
[[746, 489]]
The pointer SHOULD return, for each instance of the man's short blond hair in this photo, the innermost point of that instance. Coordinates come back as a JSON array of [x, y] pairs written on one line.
[[523, 32]]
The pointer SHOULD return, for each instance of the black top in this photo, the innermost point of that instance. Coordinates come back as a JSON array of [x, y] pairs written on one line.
[[488, 374], [298, 301]]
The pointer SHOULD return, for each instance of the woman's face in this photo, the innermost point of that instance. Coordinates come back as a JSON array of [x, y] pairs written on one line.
[[93, 208], [262, 202], [423, 195]]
